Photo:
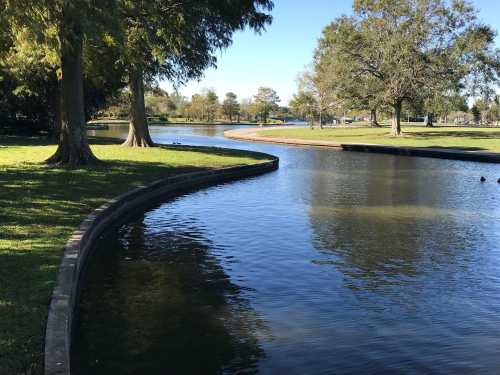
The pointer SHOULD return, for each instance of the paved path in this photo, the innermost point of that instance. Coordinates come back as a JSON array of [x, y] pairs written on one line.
[[479, 156]]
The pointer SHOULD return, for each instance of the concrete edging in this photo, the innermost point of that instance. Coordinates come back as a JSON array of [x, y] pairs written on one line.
[[78, 249], [477, 156]]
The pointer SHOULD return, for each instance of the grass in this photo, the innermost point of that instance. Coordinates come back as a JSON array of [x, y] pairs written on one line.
[[472, 139], [39, 209]]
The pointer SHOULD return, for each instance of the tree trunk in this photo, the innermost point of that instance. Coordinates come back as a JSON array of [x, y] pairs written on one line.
[[73, 148], [428, 120], [396, 119], [320, 119], [138, 134], [373, 118]]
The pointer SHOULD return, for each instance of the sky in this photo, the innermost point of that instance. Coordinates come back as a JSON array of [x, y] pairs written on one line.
[[274, 58]]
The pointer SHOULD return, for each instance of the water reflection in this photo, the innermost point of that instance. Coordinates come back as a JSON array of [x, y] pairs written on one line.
[[356, 263], [380, 219], [175, 132], [160, 298]]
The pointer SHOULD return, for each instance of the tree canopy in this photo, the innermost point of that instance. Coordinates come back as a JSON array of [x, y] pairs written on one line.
[[230, 106], [138, 41], [393, 51], [266, 100]]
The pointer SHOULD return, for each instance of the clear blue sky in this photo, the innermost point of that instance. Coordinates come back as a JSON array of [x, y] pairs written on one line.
[[275, 58]]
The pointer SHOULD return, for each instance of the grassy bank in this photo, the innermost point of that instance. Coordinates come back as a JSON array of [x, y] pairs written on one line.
[[480, 139], [40, 207]]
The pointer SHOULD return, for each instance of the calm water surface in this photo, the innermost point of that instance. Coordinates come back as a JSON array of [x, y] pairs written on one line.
[[338, 263]]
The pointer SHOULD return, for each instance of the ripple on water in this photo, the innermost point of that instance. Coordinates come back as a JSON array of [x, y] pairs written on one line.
[[337, 263]]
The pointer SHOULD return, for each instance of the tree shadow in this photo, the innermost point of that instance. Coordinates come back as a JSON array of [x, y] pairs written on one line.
[[218, 151], [39, 209], [491, 135], [160, 302], [26, 281], [40, 206], [6, 141]]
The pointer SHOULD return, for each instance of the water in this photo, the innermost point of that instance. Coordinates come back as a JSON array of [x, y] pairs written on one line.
[[338, 263]]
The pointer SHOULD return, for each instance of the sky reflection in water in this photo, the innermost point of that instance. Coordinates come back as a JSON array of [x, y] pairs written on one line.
[[337, 263]]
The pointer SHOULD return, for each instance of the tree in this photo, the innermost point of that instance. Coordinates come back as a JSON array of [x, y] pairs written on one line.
[[177, 41], [63, 26], [211, 104], [319, 90], [266, 101], [331, 68], [397, 50], [476, 113], [247, 109], [495, 108], [230, 106], [197, 107], [29, 83], [180, 102], [304, 105], [441, 104], [159, 103]]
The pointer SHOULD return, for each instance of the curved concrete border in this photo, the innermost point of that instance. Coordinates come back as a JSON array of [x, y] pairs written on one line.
[[442, 153], [79, 247]]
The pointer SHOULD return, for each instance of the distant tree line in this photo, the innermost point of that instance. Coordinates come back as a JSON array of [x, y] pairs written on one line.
[[416, 58], [205, 106]]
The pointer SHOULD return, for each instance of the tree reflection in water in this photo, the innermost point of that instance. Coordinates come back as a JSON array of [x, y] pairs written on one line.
[[157, 303], [396, 228]]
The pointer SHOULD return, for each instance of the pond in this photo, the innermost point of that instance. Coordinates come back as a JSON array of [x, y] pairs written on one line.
[[338, 263]]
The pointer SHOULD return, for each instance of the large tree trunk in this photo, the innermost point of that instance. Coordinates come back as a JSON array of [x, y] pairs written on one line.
[[73, 148], [396, 119], [428, 120], [373, 118], [320, 119], [138, 134]]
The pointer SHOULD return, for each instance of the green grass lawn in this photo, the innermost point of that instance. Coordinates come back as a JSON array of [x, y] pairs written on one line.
[[474, 139], [39, 209]]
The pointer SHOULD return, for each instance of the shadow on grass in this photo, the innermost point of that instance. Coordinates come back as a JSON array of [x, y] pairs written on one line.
[[11, 141], [39, 209], [26, 281], [489, 135], [218, 151]]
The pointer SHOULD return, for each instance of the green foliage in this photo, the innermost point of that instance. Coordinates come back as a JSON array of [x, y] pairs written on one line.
[[303, 105], [247, 109], [159, 105], [178, 40], [33, 64], [230, 106], [266, 100], [409, 50], [476, 113], [144, 40]]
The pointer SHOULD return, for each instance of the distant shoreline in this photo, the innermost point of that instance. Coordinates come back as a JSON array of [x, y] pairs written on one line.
[[120, 122]]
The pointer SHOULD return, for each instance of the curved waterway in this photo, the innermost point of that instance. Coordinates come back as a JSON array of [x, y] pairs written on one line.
[[338, 263]]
